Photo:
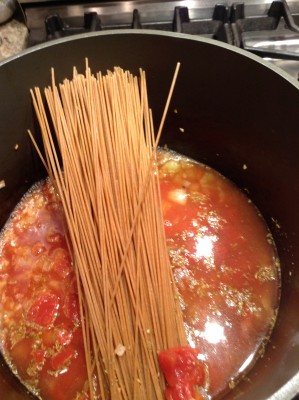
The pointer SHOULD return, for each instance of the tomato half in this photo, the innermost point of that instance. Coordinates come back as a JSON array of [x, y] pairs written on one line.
[[183, 371]]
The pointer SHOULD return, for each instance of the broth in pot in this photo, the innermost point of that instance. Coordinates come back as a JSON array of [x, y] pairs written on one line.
[[224, 263]]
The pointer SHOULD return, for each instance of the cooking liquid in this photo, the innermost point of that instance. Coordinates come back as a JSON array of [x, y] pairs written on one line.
[[225, 267]]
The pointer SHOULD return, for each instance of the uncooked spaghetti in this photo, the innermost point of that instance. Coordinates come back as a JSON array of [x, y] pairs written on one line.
[[102, 160]]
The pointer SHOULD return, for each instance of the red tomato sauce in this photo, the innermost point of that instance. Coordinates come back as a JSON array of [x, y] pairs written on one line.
[[40, 333], [225, 267]]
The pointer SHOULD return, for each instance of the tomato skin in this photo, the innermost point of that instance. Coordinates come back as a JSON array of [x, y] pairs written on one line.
[[183, 371]]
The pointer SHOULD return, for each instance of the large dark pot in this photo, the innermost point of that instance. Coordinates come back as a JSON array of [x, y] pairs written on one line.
[[235, 110]]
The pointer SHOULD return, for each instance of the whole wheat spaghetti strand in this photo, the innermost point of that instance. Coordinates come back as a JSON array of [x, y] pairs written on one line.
[[108, 186], [57, 176], [155, 146]]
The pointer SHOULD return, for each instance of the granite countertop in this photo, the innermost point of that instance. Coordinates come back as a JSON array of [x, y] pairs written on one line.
[[13, 38]]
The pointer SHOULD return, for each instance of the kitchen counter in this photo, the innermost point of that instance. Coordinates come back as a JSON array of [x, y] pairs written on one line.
[[13, 38]]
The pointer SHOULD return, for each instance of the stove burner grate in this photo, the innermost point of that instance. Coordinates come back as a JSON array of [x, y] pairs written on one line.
[[216, 27]]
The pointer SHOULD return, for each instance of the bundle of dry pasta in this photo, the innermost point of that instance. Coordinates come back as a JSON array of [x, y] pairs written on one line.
[[103, 166]]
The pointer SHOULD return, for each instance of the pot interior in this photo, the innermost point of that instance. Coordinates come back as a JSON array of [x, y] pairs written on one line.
[[234, 111]]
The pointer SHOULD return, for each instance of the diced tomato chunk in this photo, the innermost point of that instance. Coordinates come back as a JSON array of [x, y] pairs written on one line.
[[39, 356], [63, 358], [183, 372], [43, 311]]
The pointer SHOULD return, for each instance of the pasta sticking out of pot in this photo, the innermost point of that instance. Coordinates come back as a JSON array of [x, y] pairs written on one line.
[[107, 180], [133, 272]]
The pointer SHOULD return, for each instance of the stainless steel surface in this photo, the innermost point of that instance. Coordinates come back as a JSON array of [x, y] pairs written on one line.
[[116, 14], [203, 3], [283, 42], [290, 66], [275, 45]]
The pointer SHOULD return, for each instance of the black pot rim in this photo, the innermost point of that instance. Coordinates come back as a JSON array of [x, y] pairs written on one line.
[[150, 32]]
